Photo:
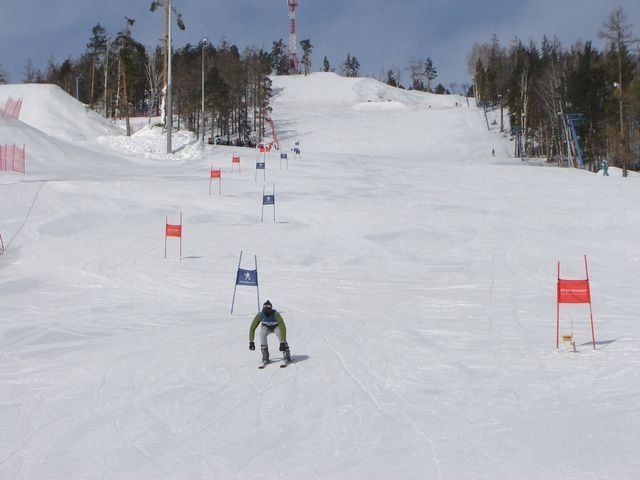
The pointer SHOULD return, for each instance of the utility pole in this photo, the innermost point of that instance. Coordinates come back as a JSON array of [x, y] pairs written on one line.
[[169, 120], [77, 87], [501, 114], [623, 142], [203, 43]]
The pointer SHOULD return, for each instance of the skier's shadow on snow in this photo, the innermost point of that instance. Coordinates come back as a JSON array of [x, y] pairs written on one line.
[[299, 358]]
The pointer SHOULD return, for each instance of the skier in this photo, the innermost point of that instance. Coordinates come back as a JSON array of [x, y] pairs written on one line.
[[605, 167], [271, 322]]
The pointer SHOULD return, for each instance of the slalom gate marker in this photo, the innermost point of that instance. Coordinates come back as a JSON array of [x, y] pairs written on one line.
[[261, 166], [172, 231], [247, 278], [265, 148], [2, 250], [215, 174], [235, 160], [285, 157], [576, 292], [268, 200], [11, 109], [12, 158]]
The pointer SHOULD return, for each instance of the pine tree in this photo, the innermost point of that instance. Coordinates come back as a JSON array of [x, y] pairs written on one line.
[[279, 58], [97, 46], [391, 79], [351, 66], [306, 57], [325, 65], [440, 90], [430, 72]]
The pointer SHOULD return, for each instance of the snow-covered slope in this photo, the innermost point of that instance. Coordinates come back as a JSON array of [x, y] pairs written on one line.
[[327, 88], [416, 273], [51, 110]]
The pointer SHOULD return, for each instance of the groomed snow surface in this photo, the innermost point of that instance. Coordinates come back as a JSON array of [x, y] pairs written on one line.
[[416, 273]]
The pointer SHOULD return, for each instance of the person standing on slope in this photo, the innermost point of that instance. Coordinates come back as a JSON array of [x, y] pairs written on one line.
[[271, 322]]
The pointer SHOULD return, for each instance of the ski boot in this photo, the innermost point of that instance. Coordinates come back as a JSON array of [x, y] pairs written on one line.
[[286, 354]]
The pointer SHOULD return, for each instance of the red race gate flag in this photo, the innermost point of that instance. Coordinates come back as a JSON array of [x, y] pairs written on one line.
[[574, 291], [216, 174], [235, 160], [172, 231]]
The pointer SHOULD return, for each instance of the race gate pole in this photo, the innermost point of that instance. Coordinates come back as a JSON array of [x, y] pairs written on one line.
[[235, 287], [593, 332], [255, 259]]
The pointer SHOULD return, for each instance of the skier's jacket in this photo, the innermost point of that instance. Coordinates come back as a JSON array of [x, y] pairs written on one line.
[[273, 320]]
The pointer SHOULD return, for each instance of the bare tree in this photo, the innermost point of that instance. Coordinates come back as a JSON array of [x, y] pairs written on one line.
[[153, 70], [549, 90], [416, 73], [619, 34], [30, 73]]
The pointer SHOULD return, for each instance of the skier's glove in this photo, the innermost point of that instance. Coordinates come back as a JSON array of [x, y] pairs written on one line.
[[284, 347], [252, 346]]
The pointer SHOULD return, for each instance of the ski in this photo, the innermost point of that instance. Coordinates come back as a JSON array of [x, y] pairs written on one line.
[[283, 364]]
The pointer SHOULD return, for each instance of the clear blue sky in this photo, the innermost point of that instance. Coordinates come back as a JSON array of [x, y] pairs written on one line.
[[381, 34]]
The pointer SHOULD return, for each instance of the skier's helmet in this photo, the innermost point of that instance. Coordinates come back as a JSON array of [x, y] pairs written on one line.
[[266, 307]]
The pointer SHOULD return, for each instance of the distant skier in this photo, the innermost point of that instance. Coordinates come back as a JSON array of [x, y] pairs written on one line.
[[271, 322], [493, 152], [605, 167]]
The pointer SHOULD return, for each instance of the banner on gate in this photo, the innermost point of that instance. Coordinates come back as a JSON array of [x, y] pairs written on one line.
[[172, 230], [574, 291], [246, 278]]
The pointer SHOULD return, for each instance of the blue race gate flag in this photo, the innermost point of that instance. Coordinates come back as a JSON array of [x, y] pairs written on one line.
[[268, 199], [261, 165], [248, 278]]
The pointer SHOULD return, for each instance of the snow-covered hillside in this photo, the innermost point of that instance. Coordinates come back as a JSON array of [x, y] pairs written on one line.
[[49, 109], [416, 273]]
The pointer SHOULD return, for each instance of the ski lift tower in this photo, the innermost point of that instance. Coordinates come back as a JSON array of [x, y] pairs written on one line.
[[293, 63]]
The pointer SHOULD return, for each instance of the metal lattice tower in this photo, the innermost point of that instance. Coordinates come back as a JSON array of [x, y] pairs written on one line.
[[292, 58]]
